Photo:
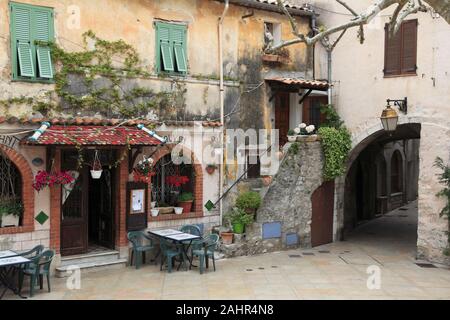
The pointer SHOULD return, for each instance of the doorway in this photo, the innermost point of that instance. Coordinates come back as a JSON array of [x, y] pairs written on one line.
[[322, 214], [282, 116], [87, 205]]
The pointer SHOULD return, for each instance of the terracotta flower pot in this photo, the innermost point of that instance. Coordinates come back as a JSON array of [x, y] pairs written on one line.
[[210, 169], [227, 237], [266, 180], [186, 205]]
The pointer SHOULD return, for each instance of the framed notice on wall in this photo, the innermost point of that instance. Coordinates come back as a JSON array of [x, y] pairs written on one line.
[[137, 197]]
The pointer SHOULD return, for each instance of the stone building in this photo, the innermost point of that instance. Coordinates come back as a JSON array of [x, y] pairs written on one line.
[[179, 66]]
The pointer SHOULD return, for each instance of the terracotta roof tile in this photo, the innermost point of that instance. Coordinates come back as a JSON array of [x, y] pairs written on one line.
[[93, 135], [301, 83]]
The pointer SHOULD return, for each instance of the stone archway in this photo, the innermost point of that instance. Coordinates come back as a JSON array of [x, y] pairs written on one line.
[[27, 191]]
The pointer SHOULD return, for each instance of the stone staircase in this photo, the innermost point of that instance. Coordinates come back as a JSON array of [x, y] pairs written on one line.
[[97, 261]]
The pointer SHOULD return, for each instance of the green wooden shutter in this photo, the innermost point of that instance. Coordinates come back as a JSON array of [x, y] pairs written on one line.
[[44, 62], [178, 38], [180, 57], [21, 41], [26, 67], [166, 50], [167, 56], [43, 31]]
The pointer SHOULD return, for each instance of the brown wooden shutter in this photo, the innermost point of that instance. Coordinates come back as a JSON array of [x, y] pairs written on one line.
[[409, 46], [392, 53]]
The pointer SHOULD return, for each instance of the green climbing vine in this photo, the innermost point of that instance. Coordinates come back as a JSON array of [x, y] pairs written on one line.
[[444, 179], [104, 78], [336, 143]]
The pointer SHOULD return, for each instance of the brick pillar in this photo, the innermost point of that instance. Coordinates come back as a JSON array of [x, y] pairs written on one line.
[[121, 212], [55, 208]]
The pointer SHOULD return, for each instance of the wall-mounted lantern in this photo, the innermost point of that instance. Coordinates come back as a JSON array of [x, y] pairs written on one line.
[[389, 117]]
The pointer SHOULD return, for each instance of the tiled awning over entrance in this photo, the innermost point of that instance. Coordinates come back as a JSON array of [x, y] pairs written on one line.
[[297, 83], [94, 135]]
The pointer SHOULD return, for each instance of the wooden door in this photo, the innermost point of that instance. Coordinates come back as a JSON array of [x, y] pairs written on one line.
[[282, 116], [74, 199], [311, 110], [322, 214]]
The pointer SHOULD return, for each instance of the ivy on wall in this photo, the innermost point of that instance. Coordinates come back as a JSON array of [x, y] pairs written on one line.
[[336, 143], [104, 79]]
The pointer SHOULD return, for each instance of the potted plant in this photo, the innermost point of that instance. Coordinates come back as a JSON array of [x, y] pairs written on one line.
[[185, 200], [10, 212], [178, 210], [266, 180], [227, 237], [249, 201], [96, 171], [291, 135], [154, 212], [164, 208], [238, 219], [143, 171], [44, 179], [210, 168]]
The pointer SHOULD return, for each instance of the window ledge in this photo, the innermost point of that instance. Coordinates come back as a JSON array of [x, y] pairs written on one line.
[[401, 75], [12, 230], [173, 216]]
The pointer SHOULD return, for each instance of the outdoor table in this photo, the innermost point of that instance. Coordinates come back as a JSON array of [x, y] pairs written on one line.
[[9, 260], [176, 236]]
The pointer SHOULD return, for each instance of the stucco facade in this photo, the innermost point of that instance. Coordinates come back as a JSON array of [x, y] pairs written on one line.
[[134, 23], [360, 91]]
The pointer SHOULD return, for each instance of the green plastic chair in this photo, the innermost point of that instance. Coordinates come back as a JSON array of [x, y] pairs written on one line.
[[169, 251], [37, 268], [205, 250], [141, 244], [31, 254], [191, 229]]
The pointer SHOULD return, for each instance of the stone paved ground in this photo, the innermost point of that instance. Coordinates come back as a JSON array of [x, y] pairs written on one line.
[[334, 271]]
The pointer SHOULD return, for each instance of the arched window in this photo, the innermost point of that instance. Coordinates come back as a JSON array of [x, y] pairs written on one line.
[[10, 190], [396, 172], [171, 180]]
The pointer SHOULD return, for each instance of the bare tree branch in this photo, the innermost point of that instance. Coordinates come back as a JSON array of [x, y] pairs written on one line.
[[404, 8]]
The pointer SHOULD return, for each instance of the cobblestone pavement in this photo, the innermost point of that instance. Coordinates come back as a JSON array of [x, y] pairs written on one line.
[[333, 271]]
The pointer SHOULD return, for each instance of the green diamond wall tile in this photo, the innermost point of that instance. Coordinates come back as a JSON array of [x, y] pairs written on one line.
[[209, 205], [41, 217]]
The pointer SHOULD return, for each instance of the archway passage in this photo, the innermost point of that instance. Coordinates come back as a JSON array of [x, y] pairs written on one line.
[[381, 189]]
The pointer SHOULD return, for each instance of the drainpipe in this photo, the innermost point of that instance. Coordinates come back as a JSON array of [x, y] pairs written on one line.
[[222, 102], [330, 101]]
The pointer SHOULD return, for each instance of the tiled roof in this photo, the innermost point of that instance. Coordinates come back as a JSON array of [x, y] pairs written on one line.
[[89, 121], [301, 83], [295, 6], [93, 135]]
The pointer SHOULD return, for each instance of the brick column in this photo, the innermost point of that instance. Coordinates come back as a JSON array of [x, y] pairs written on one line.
[[121, 212], [55, 207]]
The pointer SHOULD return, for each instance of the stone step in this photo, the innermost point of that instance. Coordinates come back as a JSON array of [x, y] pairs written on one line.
[[102, 256], [62, 271]]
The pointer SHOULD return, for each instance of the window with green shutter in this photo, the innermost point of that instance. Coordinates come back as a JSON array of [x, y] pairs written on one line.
[[31, 27], [171, 46]]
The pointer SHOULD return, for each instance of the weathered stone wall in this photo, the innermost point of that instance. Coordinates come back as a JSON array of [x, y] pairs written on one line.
[[288, 201]]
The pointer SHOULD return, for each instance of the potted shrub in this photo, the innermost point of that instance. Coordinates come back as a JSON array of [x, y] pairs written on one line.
[[210, 168], [185, 201], [238, 219], [249, 201], [10, 212]]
